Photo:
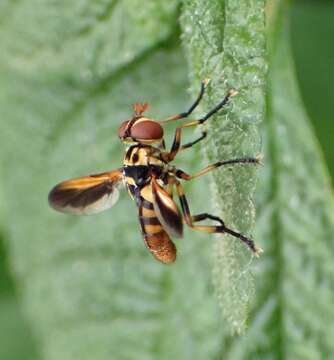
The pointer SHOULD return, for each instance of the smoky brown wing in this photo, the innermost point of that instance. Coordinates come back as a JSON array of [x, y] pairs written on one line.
[[166, 210], [88, 194]]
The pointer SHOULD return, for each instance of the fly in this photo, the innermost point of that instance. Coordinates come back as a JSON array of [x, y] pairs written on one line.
[[150, 180]]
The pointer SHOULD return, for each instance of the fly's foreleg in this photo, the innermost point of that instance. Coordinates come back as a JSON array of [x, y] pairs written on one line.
[[192, 143], [176, 147], [185, 114]]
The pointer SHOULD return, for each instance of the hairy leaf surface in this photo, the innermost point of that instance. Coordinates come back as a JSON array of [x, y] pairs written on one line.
[[226, 43], [69, 72]]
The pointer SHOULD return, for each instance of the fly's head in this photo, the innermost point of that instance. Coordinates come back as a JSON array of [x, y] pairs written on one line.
[[140, 129]]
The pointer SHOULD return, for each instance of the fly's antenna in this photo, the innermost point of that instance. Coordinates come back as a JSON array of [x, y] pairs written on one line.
[[140, 108]]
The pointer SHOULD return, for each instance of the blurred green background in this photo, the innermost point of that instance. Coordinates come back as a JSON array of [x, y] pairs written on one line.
[[312, 31]]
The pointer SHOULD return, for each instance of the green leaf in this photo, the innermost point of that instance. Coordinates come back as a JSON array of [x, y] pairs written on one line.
[[293, 312], [16, 340], [291, 317], [89, 285], [70, 72], [226, 43], [83, 40]]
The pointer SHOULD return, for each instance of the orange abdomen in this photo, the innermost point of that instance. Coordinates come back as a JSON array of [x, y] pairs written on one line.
[[155, 237]]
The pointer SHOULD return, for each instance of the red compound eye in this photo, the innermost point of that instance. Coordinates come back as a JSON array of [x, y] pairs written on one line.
[[146, 129], [121, 129], [142, 129]]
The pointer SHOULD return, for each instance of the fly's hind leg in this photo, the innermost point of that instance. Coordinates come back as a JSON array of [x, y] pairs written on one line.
[[221, 228]]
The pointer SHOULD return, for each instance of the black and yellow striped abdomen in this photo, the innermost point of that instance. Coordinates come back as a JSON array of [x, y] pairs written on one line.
[[155, 237]]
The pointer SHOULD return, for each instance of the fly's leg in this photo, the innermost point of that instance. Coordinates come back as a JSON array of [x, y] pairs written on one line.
[[170, 186], [185, 114], [183, 175], [221, 228], [162, 145], [176, 147], [192, 143]]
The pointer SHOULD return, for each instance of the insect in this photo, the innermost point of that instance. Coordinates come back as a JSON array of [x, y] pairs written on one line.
[[151, 182]]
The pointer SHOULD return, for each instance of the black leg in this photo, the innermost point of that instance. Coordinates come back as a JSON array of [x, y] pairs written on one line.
[[189, 219], [218, 107], [185, 114], [177, 137], [192, 143], [183, 175]]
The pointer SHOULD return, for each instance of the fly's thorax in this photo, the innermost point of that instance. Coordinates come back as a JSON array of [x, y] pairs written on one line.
[[140, 165], [141, 175], [141, 155]]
